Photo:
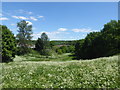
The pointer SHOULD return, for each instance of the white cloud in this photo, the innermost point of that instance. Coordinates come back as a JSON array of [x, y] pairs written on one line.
[[53, 35], [4, 18], [20, 17], [33, 18], [48, 33], [25, 18], [40, 16], [62, 29], [15, 17], [83, 30], [29, 23]]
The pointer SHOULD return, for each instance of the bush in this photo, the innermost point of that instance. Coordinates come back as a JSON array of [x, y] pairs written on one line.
[[59, 51], [8, 44], [23, 50], [71, 49], [47, 52]]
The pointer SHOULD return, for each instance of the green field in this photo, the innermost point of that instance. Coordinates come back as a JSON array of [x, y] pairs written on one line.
[[60, 72]]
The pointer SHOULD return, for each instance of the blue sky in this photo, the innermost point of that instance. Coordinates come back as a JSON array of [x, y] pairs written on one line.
[[61, 21]]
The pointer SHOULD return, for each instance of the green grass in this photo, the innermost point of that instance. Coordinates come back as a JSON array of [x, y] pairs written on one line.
[[60, 72]]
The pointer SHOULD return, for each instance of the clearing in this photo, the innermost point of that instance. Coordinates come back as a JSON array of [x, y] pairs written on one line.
[[60, 72]]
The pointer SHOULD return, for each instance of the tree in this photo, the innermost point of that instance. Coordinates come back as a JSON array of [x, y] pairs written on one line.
[[0, 43], [39, 45], [71, 49], [100, 44], [111, 34], [45, 39], [43, 45], [8, 44], [24, 36], [78, 48]]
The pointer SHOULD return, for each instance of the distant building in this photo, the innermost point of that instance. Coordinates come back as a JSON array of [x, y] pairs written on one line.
[[29, 46]]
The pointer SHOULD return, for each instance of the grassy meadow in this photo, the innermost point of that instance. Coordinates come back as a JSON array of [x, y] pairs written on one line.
[[30, 71]]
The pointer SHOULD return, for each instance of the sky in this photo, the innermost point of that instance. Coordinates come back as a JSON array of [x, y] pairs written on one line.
[[59, 20], [60, 0]]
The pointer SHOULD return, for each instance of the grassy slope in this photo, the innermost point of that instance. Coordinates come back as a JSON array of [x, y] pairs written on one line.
[[97, 73]]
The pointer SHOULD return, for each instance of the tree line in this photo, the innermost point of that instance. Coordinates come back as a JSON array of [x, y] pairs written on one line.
[[100, 44], [96, 44]]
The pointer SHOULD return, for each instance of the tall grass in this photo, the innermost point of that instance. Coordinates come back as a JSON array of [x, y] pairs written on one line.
[[96, 73]]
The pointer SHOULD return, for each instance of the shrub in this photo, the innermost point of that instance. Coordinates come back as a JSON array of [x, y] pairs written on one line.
[[46, 52], [59, 51]]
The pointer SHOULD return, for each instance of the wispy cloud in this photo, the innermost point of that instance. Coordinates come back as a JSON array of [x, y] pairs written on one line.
[[20, 17], [53, 35], [62, 29], [29, 23], [83, 30], [40, 16], [33, 18], [4, 18], [25, 18], [25, 15]]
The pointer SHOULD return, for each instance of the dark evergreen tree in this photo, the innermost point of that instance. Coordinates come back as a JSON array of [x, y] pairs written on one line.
[[8, 44], [39, 45], [45, 39], [43, 45]]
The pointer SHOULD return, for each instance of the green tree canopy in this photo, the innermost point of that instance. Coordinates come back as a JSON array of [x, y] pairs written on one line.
[[24, 36], [99, 44], [39, 45], [42, 44], [8, 44], [45, 40]]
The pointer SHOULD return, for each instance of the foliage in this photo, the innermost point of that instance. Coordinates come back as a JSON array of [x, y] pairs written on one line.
[[62, 42], [45, 40], [39, 45], [0, 43], [100, 44], [96, 73], [8, 44], [46, 52], [43, 45], [78, 48], [65, 49], [71, 49], [59, 51], [24, 36]]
